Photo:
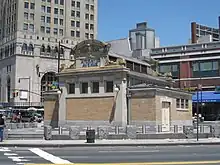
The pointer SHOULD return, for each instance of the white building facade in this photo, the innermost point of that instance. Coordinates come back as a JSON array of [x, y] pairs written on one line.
[[30, 31]]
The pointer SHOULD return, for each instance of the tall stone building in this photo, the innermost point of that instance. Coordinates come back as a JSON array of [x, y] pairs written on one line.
[[29, 34]]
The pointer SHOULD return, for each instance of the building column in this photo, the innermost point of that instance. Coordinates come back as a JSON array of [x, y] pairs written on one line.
[[121, 104]]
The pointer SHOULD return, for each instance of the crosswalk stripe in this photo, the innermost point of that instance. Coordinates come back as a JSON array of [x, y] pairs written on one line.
[[49, 157]]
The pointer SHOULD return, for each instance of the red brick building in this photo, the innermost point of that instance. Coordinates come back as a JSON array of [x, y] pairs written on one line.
[[191, 65]]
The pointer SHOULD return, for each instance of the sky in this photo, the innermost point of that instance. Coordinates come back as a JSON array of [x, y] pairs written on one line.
[[170, 18]]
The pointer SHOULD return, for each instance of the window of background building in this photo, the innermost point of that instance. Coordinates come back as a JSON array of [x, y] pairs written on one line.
[[73, 3], [87, 35], [92, 7], [182, 103], [87, 6], [95, 87], [26, 5], [49, 1], [78, 34], [72, 33], [73, 23], [177, 103], [109, 86], [61, 11], [32, 6], [77, 24], [61, 32], [84, 87], [32, 16], [42, 29], [91, 36], [48, 20], [31, 27], [47, 30], [25, 26], [56, 11], [43, 19], [43, 8], [78, 4], [78, 14], [56, 2], [55, 31], [61, 2], [61, 22], [71, 88], [86, 16], [72, 13], [56, 21], [48, 9], [205, 68], [86, 26], [25, 15], [92, 17], [91, 27]]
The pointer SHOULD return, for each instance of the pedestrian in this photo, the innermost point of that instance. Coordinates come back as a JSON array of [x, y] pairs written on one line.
[[2, 125]]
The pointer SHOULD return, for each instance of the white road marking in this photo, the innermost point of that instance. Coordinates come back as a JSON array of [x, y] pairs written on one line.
[[4, 150], [18, 159], [10, 154], [49, 157]]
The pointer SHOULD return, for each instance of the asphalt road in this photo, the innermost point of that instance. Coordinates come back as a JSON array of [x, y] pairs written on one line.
[[134, 155]]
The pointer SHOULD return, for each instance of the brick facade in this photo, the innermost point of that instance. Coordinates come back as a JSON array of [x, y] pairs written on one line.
[[88, 109]]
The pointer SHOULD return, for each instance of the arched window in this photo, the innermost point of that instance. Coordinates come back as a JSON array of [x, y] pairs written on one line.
[[24, 47], [31, 48], [47, 82], [8, 89], [42, 49], [48, 49]]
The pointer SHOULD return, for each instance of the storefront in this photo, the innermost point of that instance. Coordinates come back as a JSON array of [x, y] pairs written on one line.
[[209, 104]]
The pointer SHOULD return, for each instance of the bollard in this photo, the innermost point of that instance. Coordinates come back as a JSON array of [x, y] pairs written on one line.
[[201, 128], [143, 129], [60, 130], [159, 129], [116, 130], [175, 128]]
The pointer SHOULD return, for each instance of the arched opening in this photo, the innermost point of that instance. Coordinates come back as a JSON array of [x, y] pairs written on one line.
[[48, 49], [8, 89], [47, 82], [31, 48], [42, 49], [24, 47]]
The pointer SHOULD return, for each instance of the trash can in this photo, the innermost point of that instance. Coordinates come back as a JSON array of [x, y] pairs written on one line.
[[90, 136]]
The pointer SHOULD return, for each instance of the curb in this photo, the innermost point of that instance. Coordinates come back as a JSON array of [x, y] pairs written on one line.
[[107, 145]]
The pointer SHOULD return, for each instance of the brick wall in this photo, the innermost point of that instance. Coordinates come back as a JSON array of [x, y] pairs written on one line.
[[89, 108], [143, 109], [51, 110]]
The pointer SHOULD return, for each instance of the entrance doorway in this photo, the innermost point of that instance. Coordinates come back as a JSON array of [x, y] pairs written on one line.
[[165, 113]]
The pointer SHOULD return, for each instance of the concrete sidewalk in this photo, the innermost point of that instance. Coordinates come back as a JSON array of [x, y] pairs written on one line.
[[100, 143]]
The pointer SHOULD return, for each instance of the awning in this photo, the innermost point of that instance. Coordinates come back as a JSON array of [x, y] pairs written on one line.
[[207, 97]]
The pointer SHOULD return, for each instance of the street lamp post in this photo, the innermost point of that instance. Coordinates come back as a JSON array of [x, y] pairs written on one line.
[[29, 87]]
